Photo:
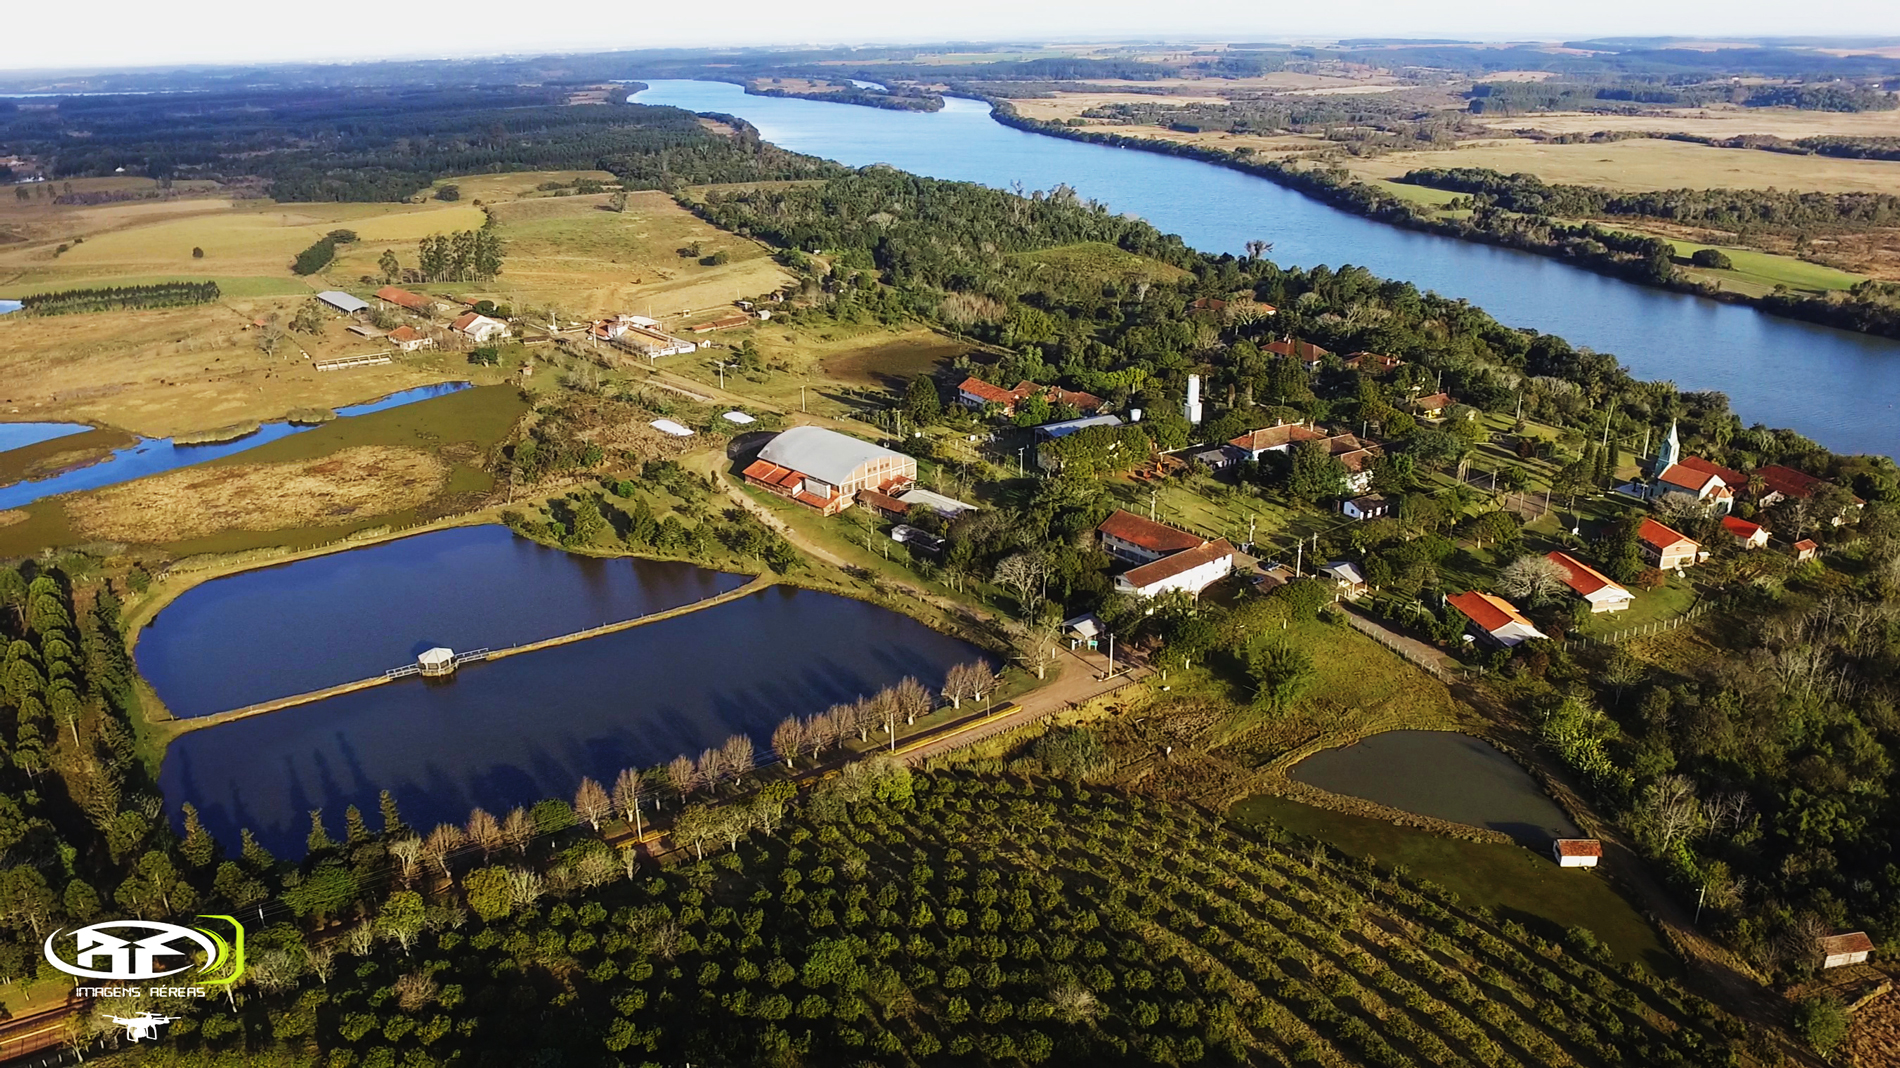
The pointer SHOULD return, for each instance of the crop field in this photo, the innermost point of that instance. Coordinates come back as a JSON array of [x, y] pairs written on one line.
[[574, 254], [1642, 164], [1790, 123]]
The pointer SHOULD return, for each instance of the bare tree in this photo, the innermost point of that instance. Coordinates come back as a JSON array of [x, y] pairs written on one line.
[[414, 990], [738, 755], [956, 685], [629, 788], [596, 870], [408, 853], [866, 715], [1535, 580], [982, 680], [592, 804], [270, 334], [525, 887], [839, 724], [442, 841], [1037, 646], [912, 699], [1023, 573], [321, 960], [519, 829], [683, 775], [788, 739], [711, 767], [1670, 808], [484, 832]]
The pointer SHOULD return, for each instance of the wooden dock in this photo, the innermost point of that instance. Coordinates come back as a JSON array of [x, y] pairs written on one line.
[[195, 723]]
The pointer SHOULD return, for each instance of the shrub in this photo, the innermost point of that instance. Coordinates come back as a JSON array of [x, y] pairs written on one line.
[[1713, 258], [1821, 1021]]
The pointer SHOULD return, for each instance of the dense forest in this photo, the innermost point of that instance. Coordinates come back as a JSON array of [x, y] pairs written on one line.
[[368, 145]]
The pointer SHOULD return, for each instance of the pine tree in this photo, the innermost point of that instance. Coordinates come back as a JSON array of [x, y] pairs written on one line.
[[393, 827], [319, 840], [199, 848], [256, 857], [355, 829]]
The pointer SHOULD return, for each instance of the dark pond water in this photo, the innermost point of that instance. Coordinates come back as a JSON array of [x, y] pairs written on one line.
[[1848, 383], [350, 615], [20, 435], [528, 727], [152, 456], [1444, 775]]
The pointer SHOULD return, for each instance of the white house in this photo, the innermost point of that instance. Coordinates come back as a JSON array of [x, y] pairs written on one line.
[[1345, 575], [1192, 570], [480, 327], [1577, 852], [1371, 506], [1844, 949], [1498, 619], [1592, 585]]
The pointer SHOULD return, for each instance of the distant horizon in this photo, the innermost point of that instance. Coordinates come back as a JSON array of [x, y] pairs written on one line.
[[144, 39]]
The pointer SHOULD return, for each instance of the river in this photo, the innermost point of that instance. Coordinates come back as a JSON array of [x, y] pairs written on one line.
[[509, 732], [1851, 381], [151, 456]]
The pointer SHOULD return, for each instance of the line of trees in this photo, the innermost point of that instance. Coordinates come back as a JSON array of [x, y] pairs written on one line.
[[118, 298], [321, 252], [463, 256]]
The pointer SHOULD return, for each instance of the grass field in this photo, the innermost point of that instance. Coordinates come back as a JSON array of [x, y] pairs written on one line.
[[1790, 123], [1099, 261], [1641, 164], [1756, 272]]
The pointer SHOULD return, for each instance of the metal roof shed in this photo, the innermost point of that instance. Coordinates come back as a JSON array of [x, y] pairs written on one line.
[[342, 302], [822, 454]]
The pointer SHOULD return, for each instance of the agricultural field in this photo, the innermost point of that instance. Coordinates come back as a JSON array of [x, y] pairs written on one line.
[[1643, 164], [1721, 122]]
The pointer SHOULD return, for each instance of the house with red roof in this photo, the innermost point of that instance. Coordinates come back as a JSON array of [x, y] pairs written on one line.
[[1734, 479], [1747, 535], [1357, 454], [1167, 558], [1780, 483], [1592, 585], [1256, 443], [1494, 618], [1577, 852], [415, 302], [409, 339], [1840, 950], [1665, 547], [480, 327], [1805, 549], [973, 392], [1373, 364], [1309, 354], [1432, 407], [1706, 487]]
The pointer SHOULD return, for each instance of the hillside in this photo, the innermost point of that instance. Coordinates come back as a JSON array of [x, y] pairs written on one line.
[[948, 918]]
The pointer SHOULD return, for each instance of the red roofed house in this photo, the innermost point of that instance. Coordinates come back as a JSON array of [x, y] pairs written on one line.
[[1844, 949], [1747, 535], [975, 393], [480, 327], [1169, 558], [1805, 549], [1666, 548], [409, 339], [1735, 479], [1357, 455], [1577, 852], [1255, 443], [1433, 406], [1372, 363], [1592, 585], [1705, 486], [1496, 618], [1782, 482], [824, 469], [415, 302], [1306, 352]]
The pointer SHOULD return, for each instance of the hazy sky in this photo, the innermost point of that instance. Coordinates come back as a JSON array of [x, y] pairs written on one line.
[[124, 33]]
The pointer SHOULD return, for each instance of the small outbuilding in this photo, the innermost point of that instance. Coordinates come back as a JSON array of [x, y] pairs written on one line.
[[1370, 506], [436, 661], [1838, 951], [1747, 535], [1577, 852], [1805, 549]]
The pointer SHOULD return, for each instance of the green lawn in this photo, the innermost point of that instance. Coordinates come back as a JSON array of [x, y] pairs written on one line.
[[1417, 194], [1651, 606], [1758, 272]]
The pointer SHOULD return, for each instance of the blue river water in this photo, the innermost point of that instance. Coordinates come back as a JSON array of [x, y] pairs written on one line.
[[1837, 387], [507, 732], [20, 435], [153, 456]]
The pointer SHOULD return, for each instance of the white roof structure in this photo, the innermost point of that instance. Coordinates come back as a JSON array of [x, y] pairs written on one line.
[[436, 657], [1345, 571], [822, 454], [740, 418], [668, 426], [1070, 426], [342, 302], [947, 507], [1087, 625]]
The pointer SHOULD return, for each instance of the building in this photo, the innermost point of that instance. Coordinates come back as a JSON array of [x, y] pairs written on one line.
[[1805, 549], [1192, 570], [883, 503], [947, 507], [1371, 363], [1666, 548], [409, 339], [1053, 431], [1256, 443], [728, 321], [480, 327], [342, 302], [415, 302], [1370, 506], [1495, 618], [1129, 537], [1308, 354], [1592, 585], [1708, 483], [1085, 629], [1346, 577], [1747, 535], [1577, 852], [975, 393], [1780, 483], [1357, 454], [1838, 951], [1432, 407], [824, 469]]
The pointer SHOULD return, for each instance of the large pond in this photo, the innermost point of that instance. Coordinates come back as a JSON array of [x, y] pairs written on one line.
[[516, 730], [345, 616], [152, 456], [1849, 382], [1444, 775]]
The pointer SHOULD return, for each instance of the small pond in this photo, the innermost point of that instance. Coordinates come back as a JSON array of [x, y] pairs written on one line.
[[153, 456], [1444, 775], [514, 731], [331, 619], [20, 435]]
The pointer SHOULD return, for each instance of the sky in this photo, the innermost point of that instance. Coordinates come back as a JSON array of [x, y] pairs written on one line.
[[138, 33]]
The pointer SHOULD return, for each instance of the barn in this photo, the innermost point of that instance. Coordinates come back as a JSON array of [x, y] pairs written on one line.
[[824, 469]]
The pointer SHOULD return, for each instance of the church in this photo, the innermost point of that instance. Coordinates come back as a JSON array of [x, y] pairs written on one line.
[[1692, 476]]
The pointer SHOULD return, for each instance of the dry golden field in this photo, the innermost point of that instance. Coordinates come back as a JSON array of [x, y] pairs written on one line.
[[1646, 164], [1790, 123], [198, 501]]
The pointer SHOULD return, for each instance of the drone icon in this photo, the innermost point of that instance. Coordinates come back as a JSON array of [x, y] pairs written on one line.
[[144, 1025]]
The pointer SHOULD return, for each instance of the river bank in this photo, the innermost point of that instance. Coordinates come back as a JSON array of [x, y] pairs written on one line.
[[1350, 194]]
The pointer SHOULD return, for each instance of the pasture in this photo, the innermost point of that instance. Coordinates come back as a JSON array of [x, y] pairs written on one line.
[[1790, 123]]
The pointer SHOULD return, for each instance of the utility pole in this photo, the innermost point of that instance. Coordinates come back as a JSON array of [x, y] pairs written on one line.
[[1250, 528], [801, 398], [1704, 892], [1299, 556], [1111, 655], [1152, 494], [1019, 459], [721, 364]]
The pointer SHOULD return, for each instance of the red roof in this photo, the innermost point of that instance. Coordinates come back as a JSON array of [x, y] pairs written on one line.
[[1304, 351], [1806, 545], [1169, 566], [1851, 942], [1434, 402], [1491, 613], [985, 392], [772, 474], [1657, 536], [1740, 527], [1787, 481], [1579, 847], [1734, 478], [463, 320], [1687, 477], [407, 333], [1581, 577], [412, 301], [883, 502], [1382, 364], [1148, 534], [1273, 437]]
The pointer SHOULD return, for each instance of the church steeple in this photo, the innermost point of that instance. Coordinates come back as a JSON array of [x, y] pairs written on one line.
[[1671, 453]]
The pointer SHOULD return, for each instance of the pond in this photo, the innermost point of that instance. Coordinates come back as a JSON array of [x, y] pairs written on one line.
[[9, 306], [1444, 775], [350, 615], [514, 731], [151, 456], [20, 435]]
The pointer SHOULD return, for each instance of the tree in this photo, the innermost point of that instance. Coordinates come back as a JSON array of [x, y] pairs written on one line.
[[484, 832], [618, 201], [488, 893], [1822, 1022], [197, 253], [695, 824], [401, 918], [445, 839], [1533, 580], [629, 788], [1037, 645], [1024, 574], [1316, 473], [389, 265], [318, 841], [911, 698], [1711, 258], [788, 739], [592, 804], [309, 318], [271, 334], [922, 406], [1281, 673], [449, 192], [683, 776]]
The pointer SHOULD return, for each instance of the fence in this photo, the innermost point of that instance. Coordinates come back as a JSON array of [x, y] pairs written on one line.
[[1695, 612], [1432, 663]]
